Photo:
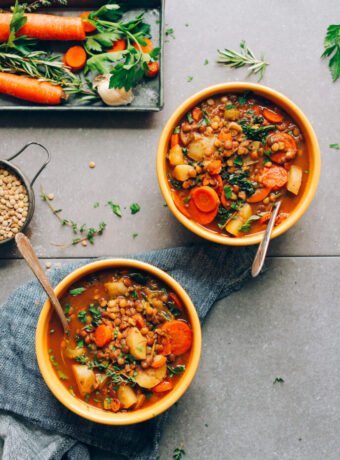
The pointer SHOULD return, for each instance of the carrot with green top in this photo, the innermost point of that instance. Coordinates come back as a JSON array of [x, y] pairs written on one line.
[[45, 27], [29, 89], [88, 27], [119, 45]]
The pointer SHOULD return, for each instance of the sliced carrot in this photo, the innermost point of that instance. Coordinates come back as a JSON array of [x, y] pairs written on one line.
[[180, 336], [196, 113], [214, 167], [87, 26], [265, 218], [45, 27], [180, 204], [275, 177], [166, 385], [200, 217], [119, 45], [139, 320], [30, 89], [75, 58], [174, 140], [176, 300], [278, 157], [166, 346], [225, 203], [205, 198], [289, 146], [147, 48], [115, 405], [225, 135], [153, 69], [219, 186], [255, 108], [103, 335], [271, 116], [281, 217], [158, 361], [259, 195]]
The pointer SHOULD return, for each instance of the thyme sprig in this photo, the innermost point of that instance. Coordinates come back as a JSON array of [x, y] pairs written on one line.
[[83, 232], [246, 57]]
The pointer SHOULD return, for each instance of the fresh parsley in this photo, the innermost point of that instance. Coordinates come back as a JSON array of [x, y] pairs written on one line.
[[134, 207], [247, 226], [77, 291], [190, 79], [278, 380], [115, 208], [334, 146], [332, 50], [206, 62], [227, 192], [178, 453], [177, 130], [96, 204], [170, 32], [82, 316], [176, 370], [238, 161]]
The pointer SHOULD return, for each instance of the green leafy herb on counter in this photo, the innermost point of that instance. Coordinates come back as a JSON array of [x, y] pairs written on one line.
[[170, 32], [134, 235], [96, 204], [206, 62], [246, 57], [332, 50], [134, 207], [334, 146], [179, 452], [190, 79], [278, 380], [115, 208]]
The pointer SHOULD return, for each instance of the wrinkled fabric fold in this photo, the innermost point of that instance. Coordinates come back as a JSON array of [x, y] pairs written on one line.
[[32, 418]]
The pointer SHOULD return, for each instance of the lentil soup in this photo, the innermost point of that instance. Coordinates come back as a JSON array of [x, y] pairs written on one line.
[[129, 343], [231, 158]]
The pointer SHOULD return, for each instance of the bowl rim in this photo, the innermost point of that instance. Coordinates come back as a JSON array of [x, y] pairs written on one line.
[[291, 108], [80, 407]]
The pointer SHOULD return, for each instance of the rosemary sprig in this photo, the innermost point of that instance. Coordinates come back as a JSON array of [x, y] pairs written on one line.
[[84, 233], [246, 57], [37, 4]]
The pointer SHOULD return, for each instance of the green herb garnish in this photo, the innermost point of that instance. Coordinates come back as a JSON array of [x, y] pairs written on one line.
[[247, 226], [82, 316], [334, 146], [77, 291], [278, 380], [115, 208], [332, 50], [134, 208]]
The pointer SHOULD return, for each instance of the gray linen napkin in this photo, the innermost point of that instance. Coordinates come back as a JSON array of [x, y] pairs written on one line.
[[33, 423]]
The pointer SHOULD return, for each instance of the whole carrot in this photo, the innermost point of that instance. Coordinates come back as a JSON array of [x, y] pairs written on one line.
[[30, 89], [45, 27]]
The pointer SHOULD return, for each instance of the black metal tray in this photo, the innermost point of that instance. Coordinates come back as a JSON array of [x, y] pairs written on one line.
[[148, 94]]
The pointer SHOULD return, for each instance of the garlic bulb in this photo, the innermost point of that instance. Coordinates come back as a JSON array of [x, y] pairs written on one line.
[[111, 96]]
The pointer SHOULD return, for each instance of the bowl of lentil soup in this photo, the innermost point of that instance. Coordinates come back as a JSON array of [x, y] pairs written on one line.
[[228, 153], [134, 343]]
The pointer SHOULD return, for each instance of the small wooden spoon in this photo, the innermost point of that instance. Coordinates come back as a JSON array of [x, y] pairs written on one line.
[[25, 247], [263, 246]]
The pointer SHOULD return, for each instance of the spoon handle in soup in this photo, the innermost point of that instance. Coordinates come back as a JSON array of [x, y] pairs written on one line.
[[25, 247], [263, 246]]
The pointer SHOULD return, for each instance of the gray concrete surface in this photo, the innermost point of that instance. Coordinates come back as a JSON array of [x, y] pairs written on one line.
[[283, 324]]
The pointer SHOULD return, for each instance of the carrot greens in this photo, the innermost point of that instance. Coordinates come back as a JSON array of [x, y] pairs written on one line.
[[332, 50]]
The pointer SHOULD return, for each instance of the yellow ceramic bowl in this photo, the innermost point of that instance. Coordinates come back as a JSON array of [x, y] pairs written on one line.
[[80, 407], [283, 102]]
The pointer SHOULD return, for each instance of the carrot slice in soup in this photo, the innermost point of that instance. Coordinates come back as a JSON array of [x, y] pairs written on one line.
[[166, 385], [166, 346], [180, 205], [205, 198], [259, 195], [219, 185], [271, 116], [180, 336], [196, 113], [275, 177], [159, 361], [103, 335], [200, 217], [174, 140], [176, 300], [265, 218], [225, 203]]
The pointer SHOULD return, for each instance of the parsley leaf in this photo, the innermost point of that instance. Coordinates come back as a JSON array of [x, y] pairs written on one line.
[[334, 146], [115, 207], [247, 226], [134, 208], [206, 62], [77, 291], [332, 50], [190, 79], [227, 191], [278, 380], [238, 161], [82, 316]]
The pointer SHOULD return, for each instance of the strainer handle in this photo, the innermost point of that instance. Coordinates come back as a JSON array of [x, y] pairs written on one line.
[[42, 167]]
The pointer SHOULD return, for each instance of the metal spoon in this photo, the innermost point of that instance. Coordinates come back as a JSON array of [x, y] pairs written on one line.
[[263, 246], [25, 247]]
